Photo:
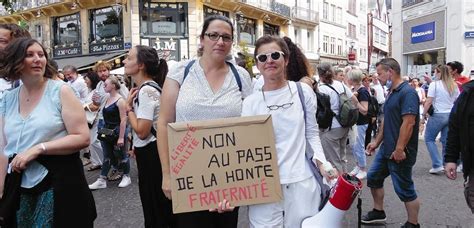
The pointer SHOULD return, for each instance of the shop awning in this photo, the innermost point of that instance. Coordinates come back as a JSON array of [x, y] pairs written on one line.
[[87, 61]]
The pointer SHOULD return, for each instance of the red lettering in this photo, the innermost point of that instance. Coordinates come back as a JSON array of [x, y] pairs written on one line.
[[256, 189], [242, 192], [264, 188], [233, 194], [192, 198], [224, 193], [203, 199], [212, 198]]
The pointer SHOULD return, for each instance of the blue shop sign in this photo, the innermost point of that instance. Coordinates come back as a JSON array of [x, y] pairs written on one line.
[[469, 35], [423, 33]]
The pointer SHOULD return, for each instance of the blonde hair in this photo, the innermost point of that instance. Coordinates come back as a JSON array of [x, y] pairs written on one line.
[[355, 75], [446, 78], [115, 81]]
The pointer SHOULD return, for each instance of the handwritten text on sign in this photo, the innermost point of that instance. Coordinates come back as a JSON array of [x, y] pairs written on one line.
[[235, 162]]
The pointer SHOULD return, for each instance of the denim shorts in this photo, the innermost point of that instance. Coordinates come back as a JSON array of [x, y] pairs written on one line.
[[401, 174]]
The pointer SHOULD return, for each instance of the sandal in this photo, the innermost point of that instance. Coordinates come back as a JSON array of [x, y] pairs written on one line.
[[115, 175], [94, 167]]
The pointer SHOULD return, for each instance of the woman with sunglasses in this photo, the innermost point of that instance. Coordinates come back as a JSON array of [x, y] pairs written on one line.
[[210, 90], [279, 97]]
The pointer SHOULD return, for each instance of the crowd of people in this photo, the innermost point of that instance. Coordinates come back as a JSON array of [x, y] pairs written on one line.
[[51, 119]]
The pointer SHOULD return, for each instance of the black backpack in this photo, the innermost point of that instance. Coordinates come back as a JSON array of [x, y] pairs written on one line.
[[324, 113], [374, 108]]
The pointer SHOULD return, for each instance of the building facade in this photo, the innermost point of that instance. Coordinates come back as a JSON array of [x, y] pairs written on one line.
[[82, 32], [431, 32], [332, 32], [378, 38]]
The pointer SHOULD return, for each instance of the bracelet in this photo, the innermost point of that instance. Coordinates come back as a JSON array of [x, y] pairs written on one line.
[[43, 148]]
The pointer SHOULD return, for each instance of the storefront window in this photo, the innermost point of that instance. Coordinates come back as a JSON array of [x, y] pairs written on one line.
[[208, 11], [269, 29], [247, 30], [67, 31], [169, 19], [107, 24]]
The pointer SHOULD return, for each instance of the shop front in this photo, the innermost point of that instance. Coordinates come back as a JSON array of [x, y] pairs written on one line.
[[164, 26], [105, 38], [424, 44]]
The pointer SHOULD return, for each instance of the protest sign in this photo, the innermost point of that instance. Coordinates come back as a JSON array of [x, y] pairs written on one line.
[[233, 159]]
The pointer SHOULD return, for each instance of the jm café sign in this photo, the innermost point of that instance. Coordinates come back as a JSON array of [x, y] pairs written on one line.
[[105, 47], [423, 33], [69, 51]]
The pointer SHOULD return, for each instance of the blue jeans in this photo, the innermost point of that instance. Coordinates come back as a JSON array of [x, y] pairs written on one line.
[[358, 149], [438, 122]]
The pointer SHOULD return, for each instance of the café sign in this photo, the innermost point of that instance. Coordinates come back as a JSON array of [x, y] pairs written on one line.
[[105, 47], [66, 52]]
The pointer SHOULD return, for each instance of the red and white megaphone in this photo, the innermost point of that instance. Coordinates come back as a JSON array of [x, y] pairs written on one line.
[[342, 196]]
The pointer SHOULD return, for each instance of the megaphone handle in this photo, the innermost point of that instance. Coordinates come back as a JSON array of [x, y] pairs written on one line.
[[359, 212]]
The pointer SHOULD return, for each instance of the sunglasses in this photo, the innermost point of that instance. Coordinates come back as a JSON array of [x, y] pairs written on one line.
[[275, 56], [216, 36]]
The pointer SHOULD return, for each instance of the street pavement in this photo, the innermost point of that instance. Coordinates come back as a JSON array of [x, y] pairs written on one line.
[[442, 200]]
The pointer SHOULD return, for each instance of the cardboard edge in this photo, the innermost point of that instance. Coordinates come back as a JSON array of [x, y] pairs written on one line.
[[217, 123]]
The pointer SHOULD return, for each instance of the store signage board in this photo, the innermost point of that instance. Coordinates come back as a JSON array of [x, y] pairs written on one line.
[[423, 33]]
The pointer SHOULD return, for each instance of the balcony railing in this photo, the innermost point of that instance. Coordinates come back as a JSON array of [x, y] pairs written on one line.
[[22, 5], [270, 5], [304, 14]]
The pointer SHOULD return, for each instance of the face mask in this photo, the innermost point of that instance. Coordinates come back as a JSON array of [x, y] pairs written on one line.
[[388, 84]]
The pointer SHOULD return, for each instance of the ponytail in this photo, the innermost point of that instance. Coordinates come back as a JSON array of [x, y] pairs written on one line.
[[162, 72]]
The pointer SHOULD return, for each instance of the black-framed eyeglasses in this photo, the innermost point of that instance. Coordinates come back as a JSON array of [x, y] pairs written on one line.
[[216, 36], [276, 106], [275, 56]]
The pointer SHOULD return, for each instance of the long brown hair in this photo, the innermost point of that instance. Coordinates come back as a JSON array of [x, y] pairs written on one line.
[[11, 59], [447, 80]]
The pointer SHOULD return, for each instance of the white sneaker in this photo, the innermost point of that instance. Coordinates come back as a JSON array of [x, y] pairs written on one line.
[[100, 183], [361, 175], [437, 170], [126, 181], [355, 171], [459, 169]]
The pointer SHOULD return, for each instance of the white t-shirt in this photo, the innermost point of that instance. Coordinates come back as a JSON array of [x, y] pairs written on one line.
[[334, 97], [290, 127], [149, 100], [197, 101], [379, 93], [80, 88], [442, 101]]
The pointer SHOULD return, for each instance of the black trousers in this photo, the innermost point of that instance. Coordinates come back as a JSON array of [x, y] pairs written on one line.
[[157, 209], [208, 219]]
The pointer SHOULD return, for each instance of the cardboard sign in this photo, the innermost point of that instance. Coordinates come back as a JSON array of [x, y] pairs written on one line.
[[233, 159]]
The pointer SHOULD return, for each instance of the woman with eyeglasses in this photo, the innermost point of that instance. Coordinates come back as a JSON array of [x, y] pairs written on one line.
[[279, 97], [209, 90], [441, 94]]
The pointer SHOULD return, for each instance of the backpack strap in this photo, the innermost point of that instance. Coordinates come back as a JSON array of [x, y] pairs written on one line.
[[309, 155], [232, 68], [335, 89], [137, 101]]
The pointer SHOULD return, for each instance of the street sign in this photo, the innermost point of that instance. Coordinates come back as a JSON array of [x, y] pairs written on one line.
[[469, 35]]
